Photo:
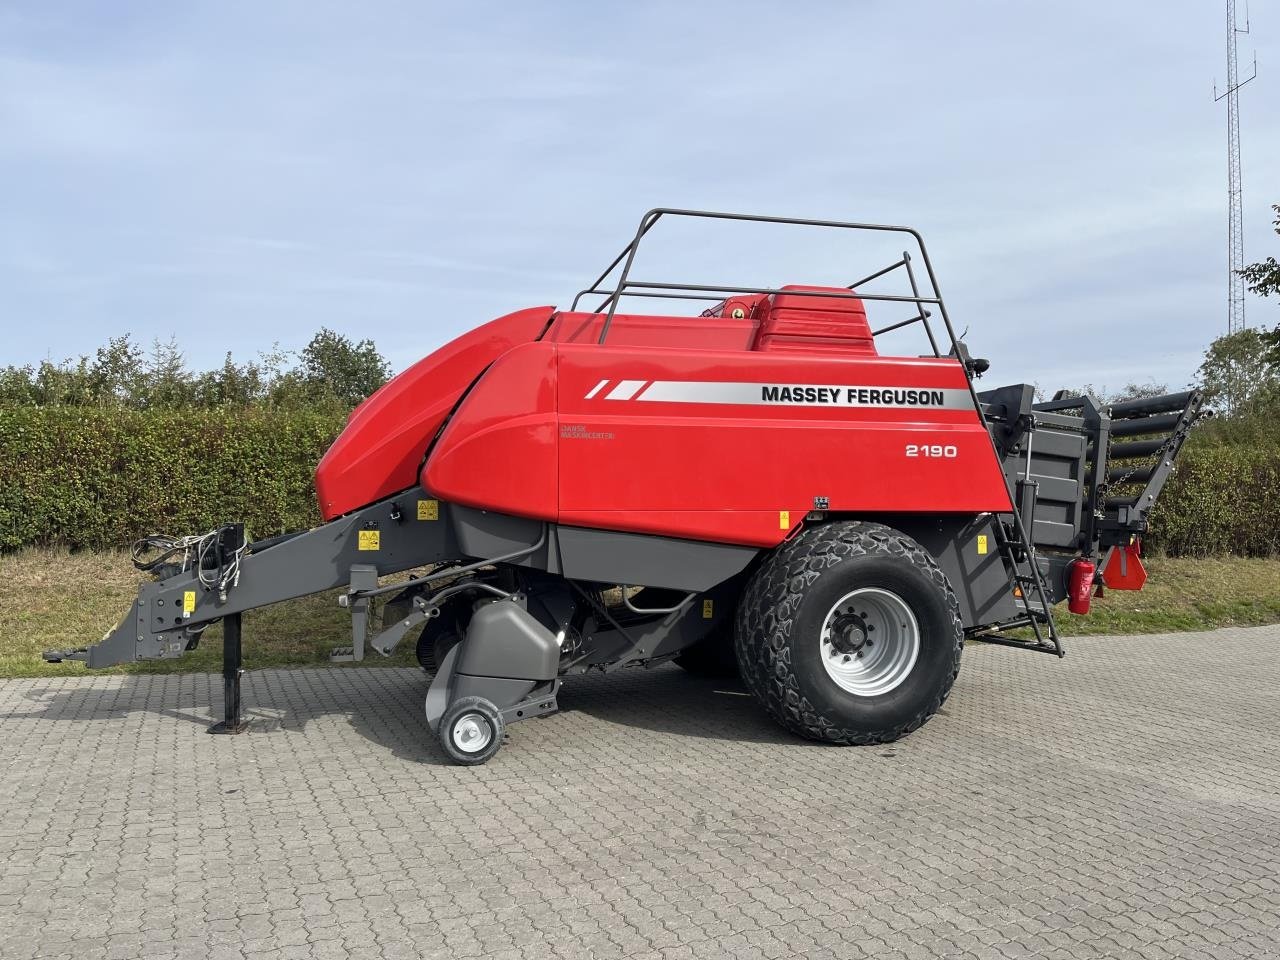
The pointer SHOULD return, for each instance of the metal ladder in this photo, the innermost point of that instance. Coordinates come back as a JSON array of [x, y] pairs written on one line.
[[1014, 543]]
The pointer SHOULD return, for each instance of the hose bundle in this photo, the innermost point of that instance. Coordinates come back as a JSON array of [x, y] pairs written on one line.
[[214, 568]]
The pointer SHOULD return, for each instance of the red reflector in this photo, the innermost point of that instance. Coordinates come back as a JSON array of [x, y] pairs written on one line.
[[1124, 569], [1080, 584]]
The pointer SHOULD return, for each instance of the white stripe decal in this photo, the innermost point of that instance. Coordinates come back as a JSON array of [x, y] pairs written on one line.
[[626, 389], [802, 394], [596, 389]]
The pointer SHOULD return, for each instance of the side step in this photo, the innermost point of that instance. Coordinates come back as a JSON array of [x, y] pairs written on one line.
[[995, 633], [1003, 641]]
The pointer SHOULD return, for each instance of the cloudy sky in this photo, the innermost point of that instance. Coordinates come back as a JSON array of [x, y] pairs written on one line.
[[238, 174]]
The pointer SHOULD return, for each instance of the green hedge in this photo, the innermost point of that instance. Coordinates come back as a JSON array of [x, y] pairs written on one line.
[[84, 477], [1223, 498]]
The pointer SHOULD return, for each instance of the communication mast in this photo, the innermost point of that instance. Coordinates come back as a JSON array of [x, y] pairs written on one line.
[[1235, 215]]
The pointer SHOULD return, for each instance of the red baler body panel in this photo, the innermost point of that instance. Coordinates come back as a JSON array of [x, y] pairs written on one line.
[[498, 452], [386, 437], [718, 428], [685, 445]]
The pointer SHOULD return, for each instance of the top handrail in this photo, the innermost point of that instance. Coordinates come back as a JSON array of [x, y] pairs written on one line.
[[626, 287]]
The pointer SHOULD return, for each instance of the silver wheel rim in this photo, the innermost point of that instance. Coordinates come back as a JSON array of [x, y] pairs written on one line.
[[870, 641], [471, 733]]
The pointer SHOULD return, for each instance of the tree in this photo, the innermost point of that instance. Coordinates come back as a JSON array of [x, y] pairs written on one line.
[[1130, 391], [168, 383], [330, 372], [1238, 374], [115, 375], [1263, 278], [334, 367], [1106, 397], [231, 385], [18, 387]]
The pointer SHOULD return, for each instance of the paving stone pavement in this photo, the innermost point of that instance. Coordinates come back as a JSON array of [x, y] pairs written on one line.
[[1124, 802]]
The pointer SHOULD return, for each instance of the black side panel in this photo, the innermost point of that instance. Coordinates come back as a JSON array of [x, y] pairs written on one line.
[[1055, 442], [972, 564], [608, 556], [1058, 469]]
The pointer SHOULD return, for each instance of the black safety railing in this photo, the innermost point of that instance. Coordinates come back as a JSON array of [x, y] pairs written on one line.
[[627, 287]]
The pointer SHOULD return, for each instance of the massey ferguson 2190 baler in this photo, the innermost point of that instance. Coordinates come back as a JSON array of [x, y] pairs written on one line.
[[755, 485]]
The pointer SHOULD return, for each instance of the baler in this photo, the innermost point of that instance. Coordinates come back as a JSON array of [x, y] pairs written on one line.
[[752, 487]]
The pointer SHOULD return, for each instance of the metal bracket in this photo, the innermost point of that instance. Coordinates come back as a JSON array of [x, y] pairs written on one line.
[[387, 641], [364, 578], [536, 706]]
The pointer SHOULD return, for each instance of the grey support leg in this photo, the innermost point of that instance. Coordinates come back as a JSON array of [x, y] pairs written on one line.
[[231, 672]]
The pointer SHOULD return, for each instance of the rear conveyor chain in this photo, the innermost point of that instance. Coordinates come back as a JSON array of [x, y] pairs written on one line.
[[1173, 414]]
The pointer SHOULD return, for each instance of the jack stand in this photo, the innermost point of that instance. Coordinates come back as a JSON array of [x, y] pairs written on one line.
[[231, 672]]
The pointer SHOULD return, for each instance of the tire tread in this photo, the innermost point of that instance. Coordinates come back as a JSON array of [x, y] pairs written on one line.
[[770, 604]]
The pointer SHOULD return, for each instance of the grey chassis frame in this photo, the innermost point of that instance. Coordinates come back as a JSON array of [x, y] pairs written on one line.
[[353, 552], [330, 556]]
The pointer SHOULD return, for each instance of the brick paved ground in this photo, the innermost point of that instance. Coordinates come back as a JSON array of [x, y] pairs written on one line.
[[1124, 802]]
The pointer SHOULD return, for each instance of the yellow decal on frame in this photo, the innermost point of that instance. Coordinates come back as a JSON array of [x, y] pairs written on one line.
[[428, 509], [369, 540]]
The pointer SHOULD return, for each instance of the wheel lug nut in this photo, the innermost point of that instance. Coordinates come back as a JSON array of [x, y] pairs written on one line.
[[846, 659]]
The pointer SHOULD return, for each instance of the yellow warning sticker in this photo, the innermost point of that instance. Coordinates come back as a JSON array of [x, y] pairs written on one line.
[[369, 540], [428, 509], [982, 543], [708, 609], [188, 601], [784, 519]]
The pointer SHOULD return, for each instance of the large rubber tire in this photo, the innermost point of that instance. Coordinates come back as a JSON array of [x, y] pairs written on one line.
[[712, 657], [778, 639]]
